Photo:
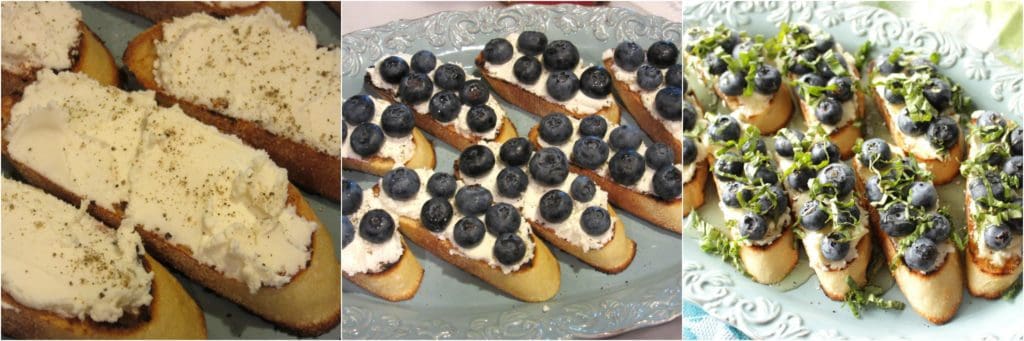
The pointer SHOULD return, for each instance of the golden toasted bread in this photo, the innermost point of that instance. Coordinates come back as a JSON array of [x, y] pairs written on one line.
[[398, 282], [613, 258], [985, 279], [423, 157], [833, 281], [643, 117], [846, 136], [769, 119], [292, 11], [693, 191], [93, 59]]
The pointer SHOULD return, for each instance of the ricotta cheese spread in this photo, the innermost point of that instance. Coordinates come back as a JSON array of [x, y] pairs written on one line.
[[39, 35], [255, 68], [363, 256], [59, 259], [399, 149], [646, 96]]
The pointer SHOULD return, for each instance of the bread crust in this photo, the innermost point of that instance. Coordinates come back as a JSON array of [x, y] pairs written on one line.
[[612, 258], [422, 157], [693, 191], [771, 263], [983, 278], [307, 167], [157, 11], [775, 116], [93, 60], [534, 104], [833, 282], [398, 282], [643, 117]]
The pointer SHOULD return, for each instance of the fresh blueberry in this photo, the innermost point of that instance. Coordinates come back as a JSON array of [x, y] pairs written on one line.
[[875, 153], [752, 226], [732, 84], [498, 51], [730, 42], [829, 111], [424, 61], [445, 106], [1015, 224], [415, 88], [473, 200], [1013, 167], [625, 137], [944, 132], [833, 248], [997, 237], [896, 221], [344, 131], [809, 56], [662, 54], [823, 43], [562, 85], [716, 65], [348, 232], [847, 216], [476, 160], [512, 182], [377, 226], [784, 146], [940, 228], [474, 92], [595, 221], [824, 151], [441, 185], [813, 80], [561, 55], [436, 213], [468, 232], [798, 179], [874, 189], [767, 79], [527, 70], [481, 118], [689, 151], [923, 195], [893, 97], [885, 67], [351, 197], [763, 174], [733, 192], [627, 167], [393, 69], [401, 183], [825, 70], [659, 155], [596, 82], [628, 56], [921, 255], [689, 116], [938, 94], [582, 188], [674, 76], [728, 164], [549, 166], [358, 109], [593, 125], [516, 151], [742, 48], [589, 152], [1017, 141], [502, 218], [397, 120], [981, 188], [509, 248], [908, 126], [648, 77], [754, 146], [844, 89], [367, 139], [813, 215], [838, 178], [555, 206], [668, 103], [449, 77], [531, 43], [555, 128], [667, 182], [991, 119]]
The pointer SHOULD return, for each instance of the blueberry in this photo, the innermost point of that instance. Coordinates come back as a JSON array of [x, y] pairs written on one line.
[[377, 226], [397, 120], [473, 200], [813, 80], [481, 118], [561, 55], [922, 64], [555, 206], [689, 116], [367, 139], [1013, 167], [833, 248], [893, 97], [847, 216], [844, 89], [449, 77], [358, 109], [474, 92], [994, 159], [393, 69], [944, 132], [762, 174], [689, 151], [498, 51], [441, 185], [730, 42], [626, 167], [896, 221], [468, 232], [824, 70], [401, 183], [1015, 224], [625, 137], [798, 68], [593, 125], [980, 190], [938, 94], [885, 67], [348, 232], [838, 178], [784, 146], [824, 151], [659, 155], [997, 237], [1017, 141], [828, 111], [549, 166], [415, 88], [445, 106], [752, 226], [940, 228], [351, 197], [732, 84], [923, 195], [991, 119], [555, 128], [424, 61], [733, 192], [668, 103], [502, 218], [476, 160], [742, 48], [667, 183], [813, 215], [662, 54], [628, 56], [716, 65], [648, 77], [344, 131], [589, 152], [595, 221], [562, 85], [531, 43], [908, 126], [767, 79], [512, 182], [823, 43], [582, 188], [754, 146], [596, 82], [798, 179], [509, 248], [674, 76], [875, 153], [516, 151], [873, 189], [921, 255], [436, 213]]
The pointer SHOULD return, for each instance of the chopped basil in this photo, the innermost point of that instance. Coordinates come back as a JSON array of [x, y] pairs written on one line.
[[862, 55], [859, 298], [714, 241]]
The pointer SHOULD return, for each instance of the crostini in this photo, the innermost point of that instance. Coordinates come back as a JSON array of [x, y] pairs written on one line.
[[921, 108], [993, 203], [285, 101], [695, 156], [644, 180], [541, 77], [50, 35], [914, 233], [650, 96], [378, 136], [455, 107], [373, 254], [443, 215], [565, 209], [67, 276], [156, 11]]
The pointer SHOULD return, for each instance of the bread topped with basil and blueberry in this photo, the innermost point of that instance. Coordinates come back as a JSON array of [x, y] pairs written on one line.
[[724, 60], [831, 223], [567, 209], [695, 156], [465, 226], [373, 254], [650, 87], [377, 136], [641, 178], [454, 107], [993, 203], [914, 230], [921, 109], [542, 77]]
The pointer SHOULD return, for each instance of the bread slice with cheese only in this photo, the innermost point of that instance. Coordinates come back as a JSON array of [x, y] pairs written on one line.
[[915, 236], [284, 101], [105, 287], [160, 171], [993, 165], [695, 155], [156, 11], [510, 257], [50, 36], [536, 91], [439, 105], [400, 145]]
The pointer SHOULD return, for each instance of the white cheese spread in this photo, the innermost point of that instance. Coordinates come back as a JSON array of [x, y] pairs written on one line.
[[363, 256], [39, 35], [399, 149]]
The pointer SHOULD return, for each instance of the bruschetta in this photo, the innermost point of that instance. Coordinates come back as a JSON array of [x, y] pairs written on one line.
[[651, 96], [378, 136], [695, 156], [156, 11]]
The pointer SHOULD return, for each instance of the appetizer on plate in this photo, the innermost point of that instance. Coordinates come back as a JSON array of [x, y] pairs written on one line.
[[378, 136], [651, 95], [156, 11], [695, 156]]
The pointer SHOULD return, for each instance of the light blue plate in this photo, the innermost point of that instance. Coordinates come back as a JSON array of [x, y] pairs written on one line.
[[454, 304], [766, 312]]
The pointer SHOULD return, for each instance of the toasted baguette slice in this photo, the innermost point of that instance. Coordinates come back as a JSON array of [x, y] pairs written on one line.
[[643, 117], [985, 279], [613, 258], [307, 167], [833, 281], [157, 11], [399, 282], [693, 191], [846, 136], [771, 263], [171, 315], [422, 157], [773, 117], [534, 104], [93, 60]]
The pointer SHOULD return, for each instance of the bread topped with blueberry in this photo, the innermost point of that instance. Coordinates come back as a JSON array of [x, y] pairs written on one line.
[[695, 155], [921, 108], [643, 179], [463, 225], [377, 136], [373, 254], [993, 206], [447, 103], [650, 87], [157, 11], [914, 231], [566, 209], [543, 77]]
